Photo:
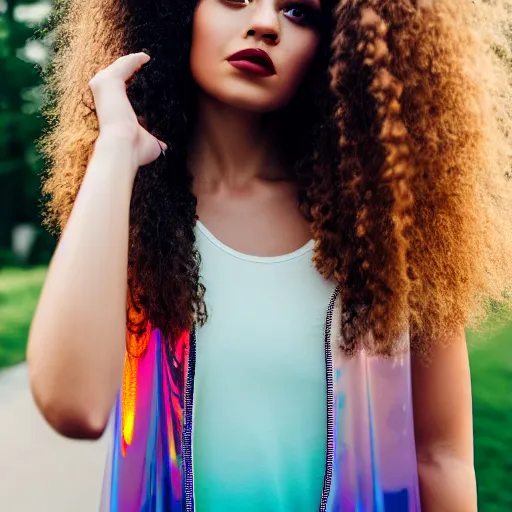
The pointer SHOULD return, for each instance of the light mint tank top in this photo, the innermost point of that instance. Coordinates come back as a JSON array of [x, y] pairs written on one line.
[[259, 417]]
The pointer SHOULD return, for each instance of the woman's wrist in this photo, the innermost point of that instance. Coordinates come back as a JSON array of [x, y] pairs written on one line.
[[117, 152]]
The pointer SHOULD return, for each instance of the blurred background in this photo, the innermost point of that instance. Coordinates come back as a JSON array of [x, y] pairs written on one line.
[[42, 471]]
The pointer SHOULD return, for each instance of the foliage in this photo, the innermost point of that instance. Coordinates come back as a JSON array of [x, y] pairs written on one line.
[[20, 124]]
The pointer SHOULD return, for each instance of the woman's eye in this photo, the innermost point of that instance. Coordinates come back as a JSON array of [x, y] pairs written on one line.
[[295, 12], [301, 14]]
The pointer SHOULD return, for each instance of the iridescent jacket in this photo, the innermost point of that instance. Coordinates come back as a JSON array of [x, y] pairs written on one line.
[[370, 462]]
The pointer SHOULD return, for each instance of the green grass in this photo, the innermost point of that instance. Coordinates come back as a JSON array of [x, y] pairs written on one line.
[[491, 369], [19, 293]]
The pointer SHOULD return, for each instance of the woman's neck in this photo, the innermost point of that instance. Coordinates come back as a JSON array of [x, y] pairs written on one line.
[[231, 147]]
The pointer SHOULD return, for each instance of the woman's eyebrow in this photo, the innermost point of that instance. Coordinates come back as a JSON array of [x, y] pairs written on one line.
[[315, 4]]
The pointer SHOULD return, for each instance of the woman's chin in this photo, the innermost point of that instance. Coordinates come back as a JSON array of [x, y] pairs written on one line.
[[248, 97]]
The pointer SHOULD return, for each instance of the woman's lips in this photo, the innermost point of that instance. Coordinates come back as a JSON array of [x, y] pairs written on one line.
[[254, 60]]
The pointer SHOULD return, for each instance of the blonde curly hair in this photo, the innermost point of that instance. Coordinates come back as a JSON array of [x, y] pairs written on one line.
[[406, 179]]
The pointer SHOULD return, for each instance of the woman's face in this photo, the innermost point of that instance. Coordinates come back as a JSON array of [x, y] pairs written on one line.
[[287, 30]]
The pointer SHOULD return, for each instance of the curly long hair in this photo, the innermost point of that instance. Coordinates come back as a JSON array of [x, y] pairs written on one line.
[[401, 149]]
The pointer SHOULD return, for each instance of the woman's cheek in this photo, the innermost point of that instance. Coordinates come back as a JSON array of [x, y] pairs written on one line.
[[296, 66], [208, 34]]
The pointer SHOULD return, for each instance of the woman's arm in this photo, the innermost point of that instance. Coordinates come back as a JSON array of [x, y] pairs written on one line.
[[443, 428], [77, 337]]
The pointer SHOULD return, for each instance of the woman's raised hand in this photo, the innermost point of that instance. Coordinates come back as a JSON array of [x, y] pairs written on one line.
[[116, 117]]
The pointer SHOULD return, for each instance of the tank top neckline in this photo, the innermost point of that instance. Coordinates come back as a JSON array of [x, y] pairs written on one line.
[[308, 246]]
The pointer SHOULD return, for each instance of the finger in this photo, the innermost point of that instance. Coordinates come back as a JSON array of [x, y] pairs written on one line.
[[127, 65], [109, 91]]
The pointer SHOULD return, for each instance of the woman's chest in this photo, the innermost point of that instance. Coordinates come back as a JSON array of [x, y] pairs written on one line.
[[262, 223], [265, 314]]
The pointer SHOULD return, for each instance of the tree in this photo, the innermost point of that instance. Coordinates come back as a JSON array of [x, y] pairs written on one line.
[[20, 122]]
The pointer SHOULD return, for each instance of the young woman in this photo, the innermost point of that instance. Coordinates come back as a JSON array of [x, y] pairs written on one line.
[[292, 209]]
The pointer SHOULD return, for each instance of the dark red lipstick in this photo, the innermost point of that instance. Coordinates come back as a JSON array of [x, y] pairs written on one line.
[[254, 60]]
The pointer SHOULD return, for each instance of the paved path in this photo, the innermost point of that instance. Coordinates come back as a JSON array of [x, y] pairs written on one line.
[[41, 471]]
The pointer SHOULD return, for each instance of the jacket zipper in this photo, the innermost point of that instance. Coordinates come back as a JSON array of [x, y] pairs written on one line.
[[189, 392], [187, 427], [330, 403]]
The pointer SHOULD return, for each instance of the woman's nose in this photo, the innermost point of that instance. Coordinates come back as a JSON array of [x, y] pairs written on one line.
[[264, 23]]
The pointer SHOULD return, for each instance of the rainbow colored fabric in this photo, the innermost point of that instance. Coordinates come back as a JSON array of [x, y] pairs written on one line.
[[374, 467], [145, 465], [370, 456]]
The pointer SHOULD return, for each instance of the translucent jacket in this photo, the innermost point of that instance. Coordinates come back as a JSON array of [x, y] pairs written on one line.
[[370, 456]]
